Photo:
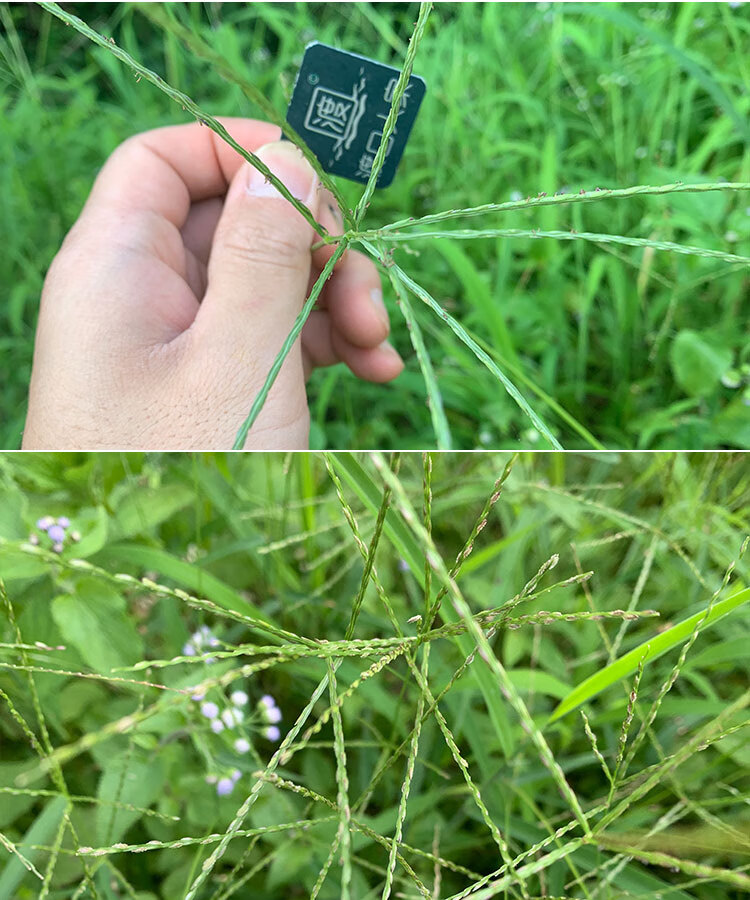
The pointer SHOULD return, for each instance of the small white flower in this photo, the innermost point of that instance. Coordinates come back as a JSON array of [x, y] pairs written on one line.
[[211, 779], [272, 733], [235, 774], [267, 700], [241, 745], [225, 786], [198, 696], [641, 152], [188, 649], [273, 714], [515, 196], [731, 237], [239, 698], [217, 726], [232, 717], [210, 710]]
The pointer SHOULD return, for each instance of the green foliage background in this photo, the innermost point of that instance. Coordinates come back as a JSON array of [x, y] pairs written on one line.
[[644, 348], [264, 536]]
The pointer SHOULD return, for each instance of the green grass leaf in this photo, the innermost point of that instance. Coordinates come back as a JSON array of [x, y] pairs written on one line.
[[408, 548], [40, 833], [686, 61], [651, 649]]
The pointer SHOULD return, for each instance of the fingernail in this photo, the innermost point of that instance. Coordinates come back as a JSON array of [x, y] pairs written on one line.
[[376, 296], [289, 166], [388, 349]]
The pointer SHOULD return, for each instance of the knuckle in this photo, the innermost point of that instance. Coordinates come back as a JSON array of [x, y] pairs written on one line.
[[280, 244]]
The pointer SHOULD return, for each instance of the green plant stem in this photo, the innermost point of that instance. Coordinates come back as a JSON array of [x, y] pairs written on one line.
[[536, 234], [286, 347], [558, 199], [160, 14], [186, 103], [460, 332], [393, 113], [440, 425]]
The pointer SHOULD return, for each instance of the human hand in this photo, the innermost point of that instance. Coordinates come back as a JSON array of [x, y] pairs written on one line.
[[175, 289]]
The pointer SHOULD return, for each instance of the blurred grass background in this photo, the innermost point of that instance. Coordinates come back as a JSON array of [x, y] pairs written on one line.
[[644, 349], [264, 533]]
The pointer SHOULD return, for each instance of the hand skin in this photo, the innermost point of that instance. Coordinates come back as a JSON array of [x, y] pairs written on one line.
[[175, 289]]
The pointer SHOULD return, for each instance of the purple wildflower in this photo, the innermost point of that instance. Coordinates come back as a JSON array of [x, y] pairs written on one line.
[[272, 733], [224, 786], [44, 523], [217, 726], [241, 745], [210, 710], [267, 700], [235, 775], [239, 698], [56, 533], [273, 714], [63, 522]]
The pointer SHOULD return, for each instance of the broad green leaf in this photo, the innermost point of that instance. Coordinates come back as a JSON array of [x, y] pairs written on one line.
[[698, 363], [15, 564], [408, 548], [648, 650], [142, 508], [139, 783], [93, 524], [13, 507], [190, 575], [94, 621]]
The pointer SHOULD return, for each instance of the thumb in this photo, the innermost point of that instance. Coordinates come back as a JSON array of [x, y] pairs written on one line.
[[259, 267]]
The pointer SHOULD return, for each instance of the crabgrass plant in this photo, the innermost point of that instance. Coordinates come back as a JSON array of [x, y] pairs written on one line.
[[697, 362], [374, 677]]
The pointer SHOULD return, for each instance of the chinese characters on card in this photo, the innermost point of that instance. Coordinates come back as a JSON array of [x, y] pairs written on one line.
[[339, 106]]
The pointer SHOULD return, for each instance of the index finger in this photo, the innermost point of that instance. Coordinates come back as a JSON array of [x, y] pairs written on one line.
[[164, 171]]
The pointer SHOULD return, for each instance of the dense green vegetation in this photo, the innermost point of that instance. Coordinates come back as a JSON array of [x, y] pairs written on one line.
[[630, 346], [242, 573]]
